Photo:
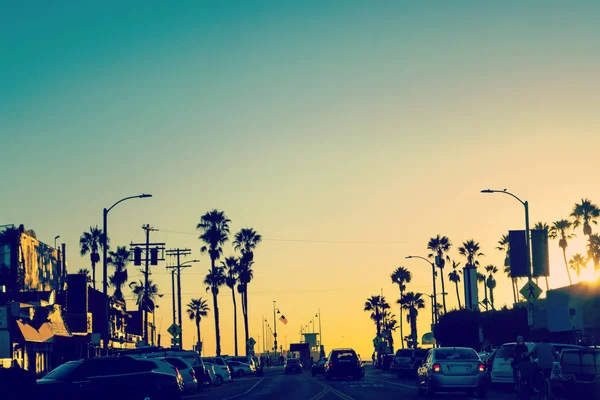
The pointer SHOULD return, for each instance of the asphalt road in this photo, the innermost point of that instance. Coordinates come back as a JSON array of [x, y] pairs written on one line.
[[374, 386]]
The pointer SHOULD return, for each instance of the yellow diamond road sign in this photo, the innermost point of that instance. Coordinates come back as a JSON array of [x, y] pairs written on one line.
[[531, 291]]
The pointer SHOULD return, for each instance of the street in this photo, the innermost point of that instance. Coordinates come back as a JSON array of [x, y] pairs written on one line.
[[375, 385]]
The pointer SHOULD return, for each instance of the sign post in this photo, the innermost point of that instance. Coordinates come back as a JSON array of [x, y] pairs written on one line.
[[531, 292]]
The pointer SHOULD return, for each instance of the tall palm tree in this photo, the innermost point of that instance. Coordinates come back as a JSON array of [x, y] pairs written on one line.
[[490, 282], [481, 279], [377, 305], [215, 232], [143, 302], [440, 246], [401, 276], [454, 276], [412, 302], [196, 309], [390, 324], [504, 246], [471, 251], [246, 241], [119, 259], [585, 213], [86, 272], [577, 263], [91, 243], [593, 247], [231, 266], [561, 230]]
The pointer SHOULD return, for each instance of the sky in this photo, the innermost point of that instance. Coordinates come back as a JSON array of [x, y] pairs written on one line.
[[347, 134]]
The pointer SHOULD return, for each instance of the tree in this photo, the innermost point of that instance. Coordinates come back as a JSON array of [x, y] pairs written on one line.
[[440, 246], [390, 324], [585, 213], [481, 279], [504, 246], [144, 303], [401, 276], [594, 250], [91, 243], [86, 272], [577, 263], [412, 302], [541, 226], [471, 251], [196, 309], [377, 305], [561, 230], [215, 232], [231, 265], [490, 282], [454, 276], [246, 241], [119, 259]]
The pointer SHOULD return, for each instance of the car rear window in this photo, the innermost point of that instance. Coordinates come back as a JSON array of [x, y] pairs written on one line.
[[456, 354], [344, 355], [506, 351], [404, 353], [180, 365]]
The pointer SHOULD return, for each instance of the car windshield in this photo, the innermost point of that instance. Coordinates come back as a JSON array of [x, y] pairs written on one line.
[[63, 372], [455, 354], [404, 353]]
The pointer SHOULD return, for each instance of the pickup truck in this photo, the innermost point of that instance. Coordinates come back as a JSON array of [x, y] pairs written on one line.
[[580, 370]]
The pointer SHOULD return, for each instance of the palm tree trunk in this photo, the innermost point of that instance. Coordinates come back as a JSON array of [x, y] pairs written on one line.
[[216, 313], [246, 330], [198, 348], [485, 288], [94, 275], [443, 290], [401, 322], [492, 298], [413, 327], [567, 265], [235, 336], [458, 295]]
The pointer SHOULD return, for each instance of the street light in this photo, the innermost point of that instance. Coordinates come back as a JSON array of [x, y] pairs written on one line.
[[320, 337], [526, 205], [105, 264], [275, 311], [434, 285], [55, 237]]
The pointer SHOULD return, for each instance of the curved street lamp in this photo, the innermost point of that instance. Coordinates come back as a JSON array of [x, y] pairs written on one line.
[[105, 264], [434, 285]]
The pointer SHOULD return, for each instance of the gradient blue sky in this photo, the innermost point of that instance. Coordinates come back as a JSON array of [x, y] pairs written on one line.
[[305, 120]]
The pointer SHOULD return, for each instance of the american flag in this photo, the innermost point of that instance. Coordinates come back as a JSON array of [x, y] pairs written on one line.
[[283, 319]]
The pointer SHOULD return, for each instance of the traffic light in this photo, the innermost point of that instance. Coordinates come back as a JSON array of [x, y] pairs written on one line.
[[154, 256], [137, 256]]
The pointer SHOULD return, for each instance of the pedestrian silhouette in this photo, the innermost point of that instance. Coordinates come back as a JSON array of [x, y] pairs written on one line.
[[531, 292]]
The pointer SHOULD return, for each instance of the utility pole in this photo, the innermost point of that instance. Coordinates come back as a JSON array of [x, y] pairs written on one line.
[[173, 292], [147, 228], [178, 253]]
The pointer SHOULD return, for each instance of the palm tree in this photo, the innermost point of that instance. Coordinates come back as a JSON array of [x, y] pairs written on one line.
[[86, 272], [401, 276], [454, 276], [470, 250], [577, 263], [144, 303], [490, 281], [377, 305], [562, 229], [215, 232], [594, 251], [91, 242], [390, 324], [541, 226], [231, 265], [504, 246], [412, 302], [246, 241], [585, 213], [196, 309], [481, 279], [119, 260], [440, 246]]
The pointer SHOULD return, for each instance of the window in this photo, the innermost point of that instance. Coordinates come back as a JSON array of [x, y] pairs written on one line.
[[345, 356], [404, 353], [505, 351], [456, 354], [63, 372], [180, 365]]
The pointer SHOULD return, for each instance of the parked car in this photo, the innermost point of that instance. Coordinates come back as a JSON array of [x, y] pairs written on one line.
[[112, 377], [239, 368], [246, 360], [292, 365], [187, 372], [581, 372], [318, 368], [452, 369], [344, 363], [213, 378], [408, 361], [223, 372]]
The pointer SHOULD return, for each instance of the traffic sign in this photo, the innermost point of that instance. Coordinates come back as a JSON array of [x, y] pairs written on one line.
[[531, 291], [174, 330], [251, 342], [174, 341]]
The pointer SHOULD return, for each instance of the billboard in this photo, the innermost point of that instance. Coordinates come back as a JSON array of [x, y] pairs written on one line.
[[539, 253], [518, 254], [40, 262], [470, 282]]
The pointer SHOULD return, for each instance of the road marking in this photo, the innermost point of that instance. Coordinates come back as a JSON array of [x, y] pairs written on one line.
[[329, 389], [394, 383], [321, 394], [246, 392]]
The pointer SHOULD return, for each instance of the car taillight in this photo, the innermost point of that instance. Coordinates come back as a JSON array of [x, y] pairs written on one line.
[[330, 365], [481, 367], [436, 367], [179, 377]]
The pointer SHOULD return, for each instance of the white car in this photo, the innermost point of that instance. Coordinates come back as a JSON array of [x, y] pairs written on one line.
[[502, 371], [223, 372], [240, 368]]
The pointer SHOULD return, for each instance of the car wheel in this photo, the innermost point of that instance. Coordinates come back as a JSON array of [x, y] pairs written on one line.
[[481, 393], [240, 373], [219, 380]]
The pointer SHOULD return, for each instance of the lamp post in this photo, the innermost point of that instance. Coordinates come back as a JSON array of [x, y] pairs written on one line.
[[105, 264], [55, 237], [179, 305], [526, 205], [275, 312], [434, 285], [320, 337]]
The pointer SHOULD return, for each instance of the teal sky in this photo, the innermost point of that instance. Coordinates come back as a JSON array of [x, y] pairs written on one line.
[[326, 121]]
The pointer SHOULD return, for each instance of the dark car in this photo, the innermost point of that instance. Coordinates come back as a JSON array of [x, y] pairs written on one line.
[[407, 362], [318, 368], [292, 365], [111, 378], [344, 363]]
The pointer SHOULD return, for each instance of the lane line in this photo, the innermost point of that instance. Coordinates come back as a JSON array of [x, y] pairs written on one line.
[[246, 392], [321, 394], [339, 394]]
